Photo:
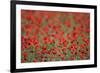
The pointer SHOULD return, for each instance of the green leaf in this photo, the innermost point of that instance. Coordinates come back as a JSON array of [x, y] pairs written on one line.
[[23, 33]]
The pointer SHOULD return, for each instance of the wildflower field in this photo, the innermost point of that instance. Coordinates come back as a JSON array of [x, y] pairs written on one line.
[[54, 36]]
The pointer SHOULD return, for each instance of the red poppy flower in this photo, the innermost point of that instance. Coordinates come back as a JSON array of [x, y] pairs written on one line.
[[25, 54], [35, 60], [39, 20], [35, 42], [44, 48], [68, 23], [23, 61]]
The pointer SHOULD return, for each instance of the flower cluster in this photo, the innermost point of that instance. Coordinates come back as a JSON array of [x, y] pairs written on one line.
[[54, 36]]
